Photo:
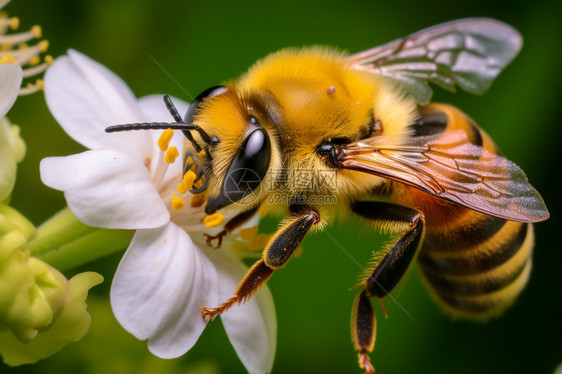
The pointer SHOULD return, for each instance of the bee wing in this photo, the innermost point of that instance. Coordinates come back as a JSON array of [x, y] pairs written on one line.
[[468, 52], [448, 166]]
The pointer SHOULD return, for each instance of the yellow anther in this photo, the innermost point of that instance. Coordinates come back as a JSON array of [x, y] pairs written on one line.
[[182, 188], [258, 242], [43, 45], [213, 220], [40, 84], [36, 31], [15, 23], [198, 200], [7, 59], [6, 47], [164, 140], [35, 60], [189, 160], [23, 46], [187, 182], [188, 178], [202, 152], [171, 155], [177, 203], [48, 59], [249, 233]]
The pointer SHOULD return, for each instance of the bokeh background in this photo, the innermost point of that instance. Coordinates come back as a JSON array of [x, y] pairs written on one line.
[[204, 43]]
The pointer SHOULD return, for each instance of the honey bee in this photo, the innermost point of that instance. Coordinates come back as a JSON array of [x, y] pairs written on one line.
[[422, 171]]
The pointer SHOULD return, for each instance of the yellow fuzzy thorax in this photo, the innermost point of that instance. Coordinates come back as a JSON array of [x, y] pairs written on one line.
[[302, 97]]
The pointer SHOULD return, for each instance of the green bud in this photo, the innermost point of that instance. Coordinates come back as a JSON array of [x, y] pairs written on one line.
[[40, 311], [12, 151], [70, 325]]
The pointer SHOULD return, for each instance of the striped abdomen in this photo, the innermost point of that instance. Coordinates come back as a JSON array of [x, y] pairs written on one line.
[[475, 264], [478, 269]]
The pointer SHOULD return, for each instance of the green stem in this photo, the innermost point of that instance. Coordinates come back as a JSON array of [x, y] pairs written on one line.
[[59, 230], [64, 242], [100, 243]]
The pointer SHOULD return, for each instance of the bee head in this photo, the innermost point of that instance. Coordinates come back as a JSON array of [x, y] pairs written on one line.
[[241, 161]]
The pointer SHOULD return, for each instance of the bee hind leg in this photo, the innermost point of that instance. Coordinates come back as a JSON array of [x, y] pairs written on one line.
[[276, 254], [387, 272]]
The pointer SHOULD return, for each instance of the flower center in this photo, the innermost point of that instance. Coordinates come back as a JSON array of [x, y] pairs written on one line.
[[186, 209]]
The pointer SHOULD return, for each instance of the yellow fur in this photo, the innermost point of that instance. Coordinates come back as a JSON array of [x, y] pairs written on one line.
[[315, 95]]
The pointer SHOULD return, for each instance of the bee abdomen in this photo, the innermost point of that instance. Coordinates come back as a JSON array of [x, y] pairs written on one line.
[[478, 276]]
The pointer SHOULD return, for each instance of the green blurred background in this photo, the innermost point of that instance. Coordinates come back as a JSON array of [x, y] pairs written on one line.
[[204, 43]]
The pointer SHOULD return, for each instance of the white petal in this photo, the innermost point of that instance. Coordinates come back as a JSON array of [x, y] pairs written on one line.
[[85, 98], [155, 110], [10, 78], [252, 326], [159, 288], [106, 188]]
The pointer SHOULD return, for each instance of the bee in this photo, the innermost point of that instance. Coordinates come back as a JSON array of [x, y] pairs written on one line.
[[422, 171]]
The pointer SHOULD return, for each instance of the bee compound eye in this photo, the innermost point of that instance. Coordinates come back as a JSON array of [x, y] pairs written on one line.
[[194, 106], [249, 166]]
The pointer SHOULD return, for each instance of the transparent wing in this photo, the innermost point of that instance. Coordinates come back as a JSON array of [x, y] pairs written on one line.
[[469, 53], [450, 167]]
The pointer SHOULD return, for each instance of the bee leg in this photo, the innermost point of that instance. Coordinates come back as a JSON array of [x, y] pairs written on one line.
[[364, 326], [276, 254], [235, 222], [387, 272]]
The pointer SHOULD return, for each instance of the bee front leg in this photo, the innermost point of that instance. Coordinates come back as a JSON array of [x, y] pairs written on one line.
[[387, 272], [276, 254], [234, 223]]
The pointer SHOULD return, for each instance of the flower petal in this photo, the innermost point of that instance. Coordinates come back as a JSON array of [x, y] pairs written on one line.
[[11, 77], [252, 326], [159, 288], [106, 188], [154, 108], [85, 98]]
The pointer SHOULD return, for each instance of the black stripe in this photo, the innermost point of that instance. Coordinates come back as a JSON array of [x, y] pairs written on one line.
[[430, 124], [466, 236], [469, 305], [484, 285], [479, 261], [473, 133]]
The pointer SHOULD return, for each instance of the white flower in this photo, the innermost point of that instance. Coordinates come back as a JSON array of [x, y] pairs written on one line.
[[122, 182]]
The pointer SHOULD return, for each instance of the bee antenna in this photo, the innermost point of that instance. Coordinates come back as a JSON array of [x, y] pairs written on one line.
[[204, 136], [150, 126]]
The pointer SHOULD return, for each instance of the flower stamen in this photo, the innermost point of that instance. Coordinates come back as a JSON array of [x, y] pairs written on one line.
[[164, 140], [177, 203], [213, 220], [165, 157], [171, 155], [37, 69], [22, 37], [14, 49], [187, 182], [32, 88]]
